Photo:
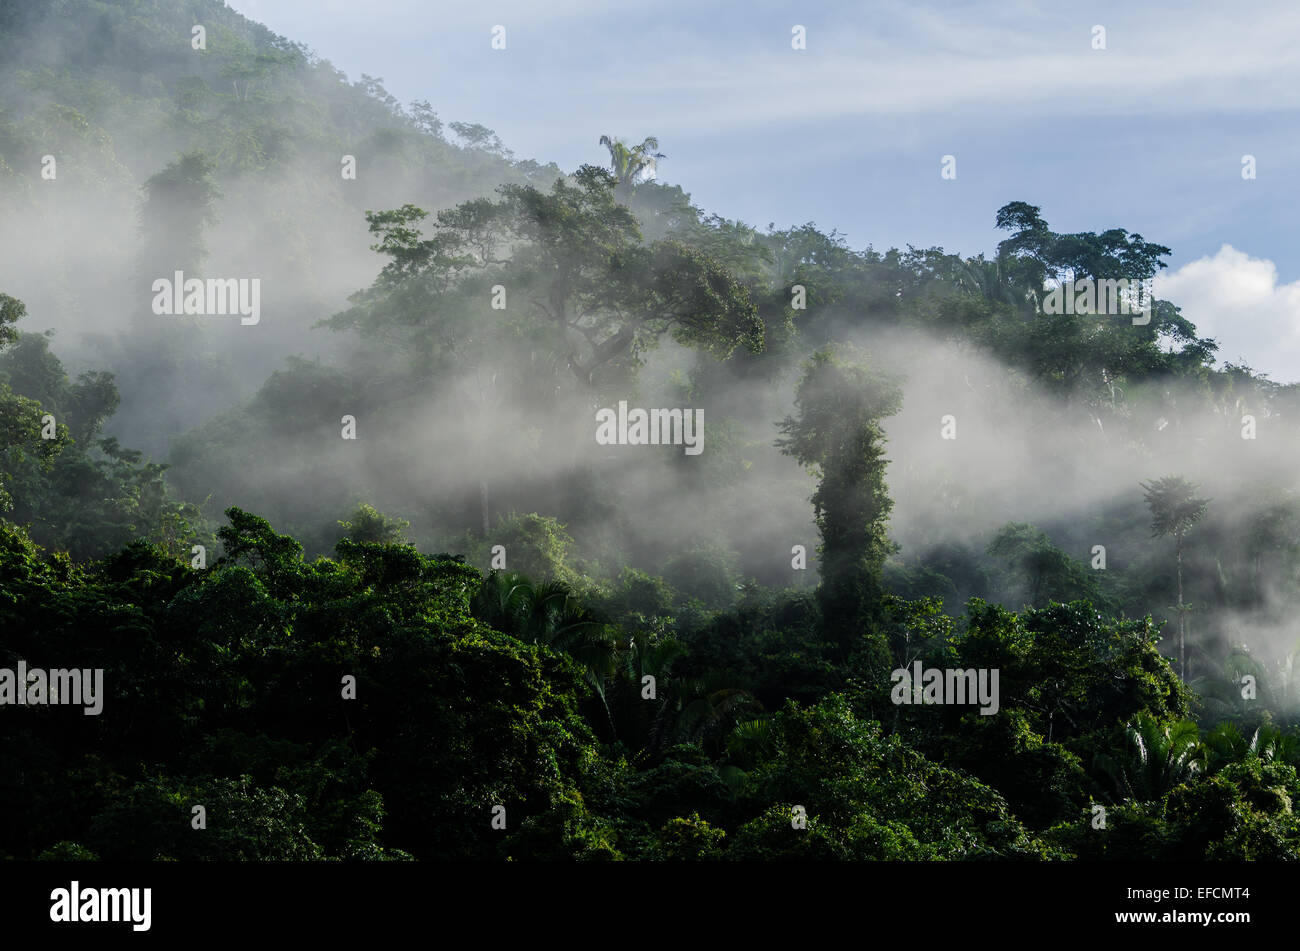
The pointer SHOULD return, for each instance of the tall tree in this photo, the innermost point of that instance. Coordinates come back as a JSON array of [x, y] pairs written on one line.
[[1046, 572], [20, 417], [594, 294], [179, 202], [1043, 253], [1174, 509], [837, 434]]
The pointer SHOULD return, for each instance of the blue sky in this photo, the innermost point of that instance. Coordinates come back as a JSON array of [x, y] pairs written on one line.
[[1147, 134]]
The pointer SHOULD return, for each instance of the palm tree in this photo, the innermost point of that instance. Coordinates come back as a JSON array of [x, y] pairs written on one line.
[[650, 649], [1156, 758], [703, 710], [1219, 687], [749, 743], [547, 612], [1226, 744], [1270, 744], [628, 164], [1175, 509], [990, 280]]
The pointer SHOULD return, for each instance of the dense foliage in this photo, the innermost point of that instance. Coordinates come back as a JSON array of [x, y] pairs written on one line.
[[611, 655]]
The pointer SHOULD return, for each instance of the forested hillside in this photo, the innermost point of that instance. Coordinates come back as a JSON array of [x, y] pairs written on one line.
[[383, 572]]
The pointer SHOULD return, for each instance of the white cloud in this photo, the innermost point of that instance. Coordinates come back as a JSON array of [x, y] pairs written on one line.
[[1239, 301]]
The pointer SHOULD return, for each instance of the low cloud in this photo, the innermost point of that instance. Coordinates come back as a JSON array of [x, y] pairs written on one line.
[[1240, 301]]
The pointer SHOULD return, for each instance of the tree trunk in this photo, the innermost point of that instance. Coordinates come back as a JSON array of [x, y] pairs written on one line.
[[1182, 618], [481, 411]]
